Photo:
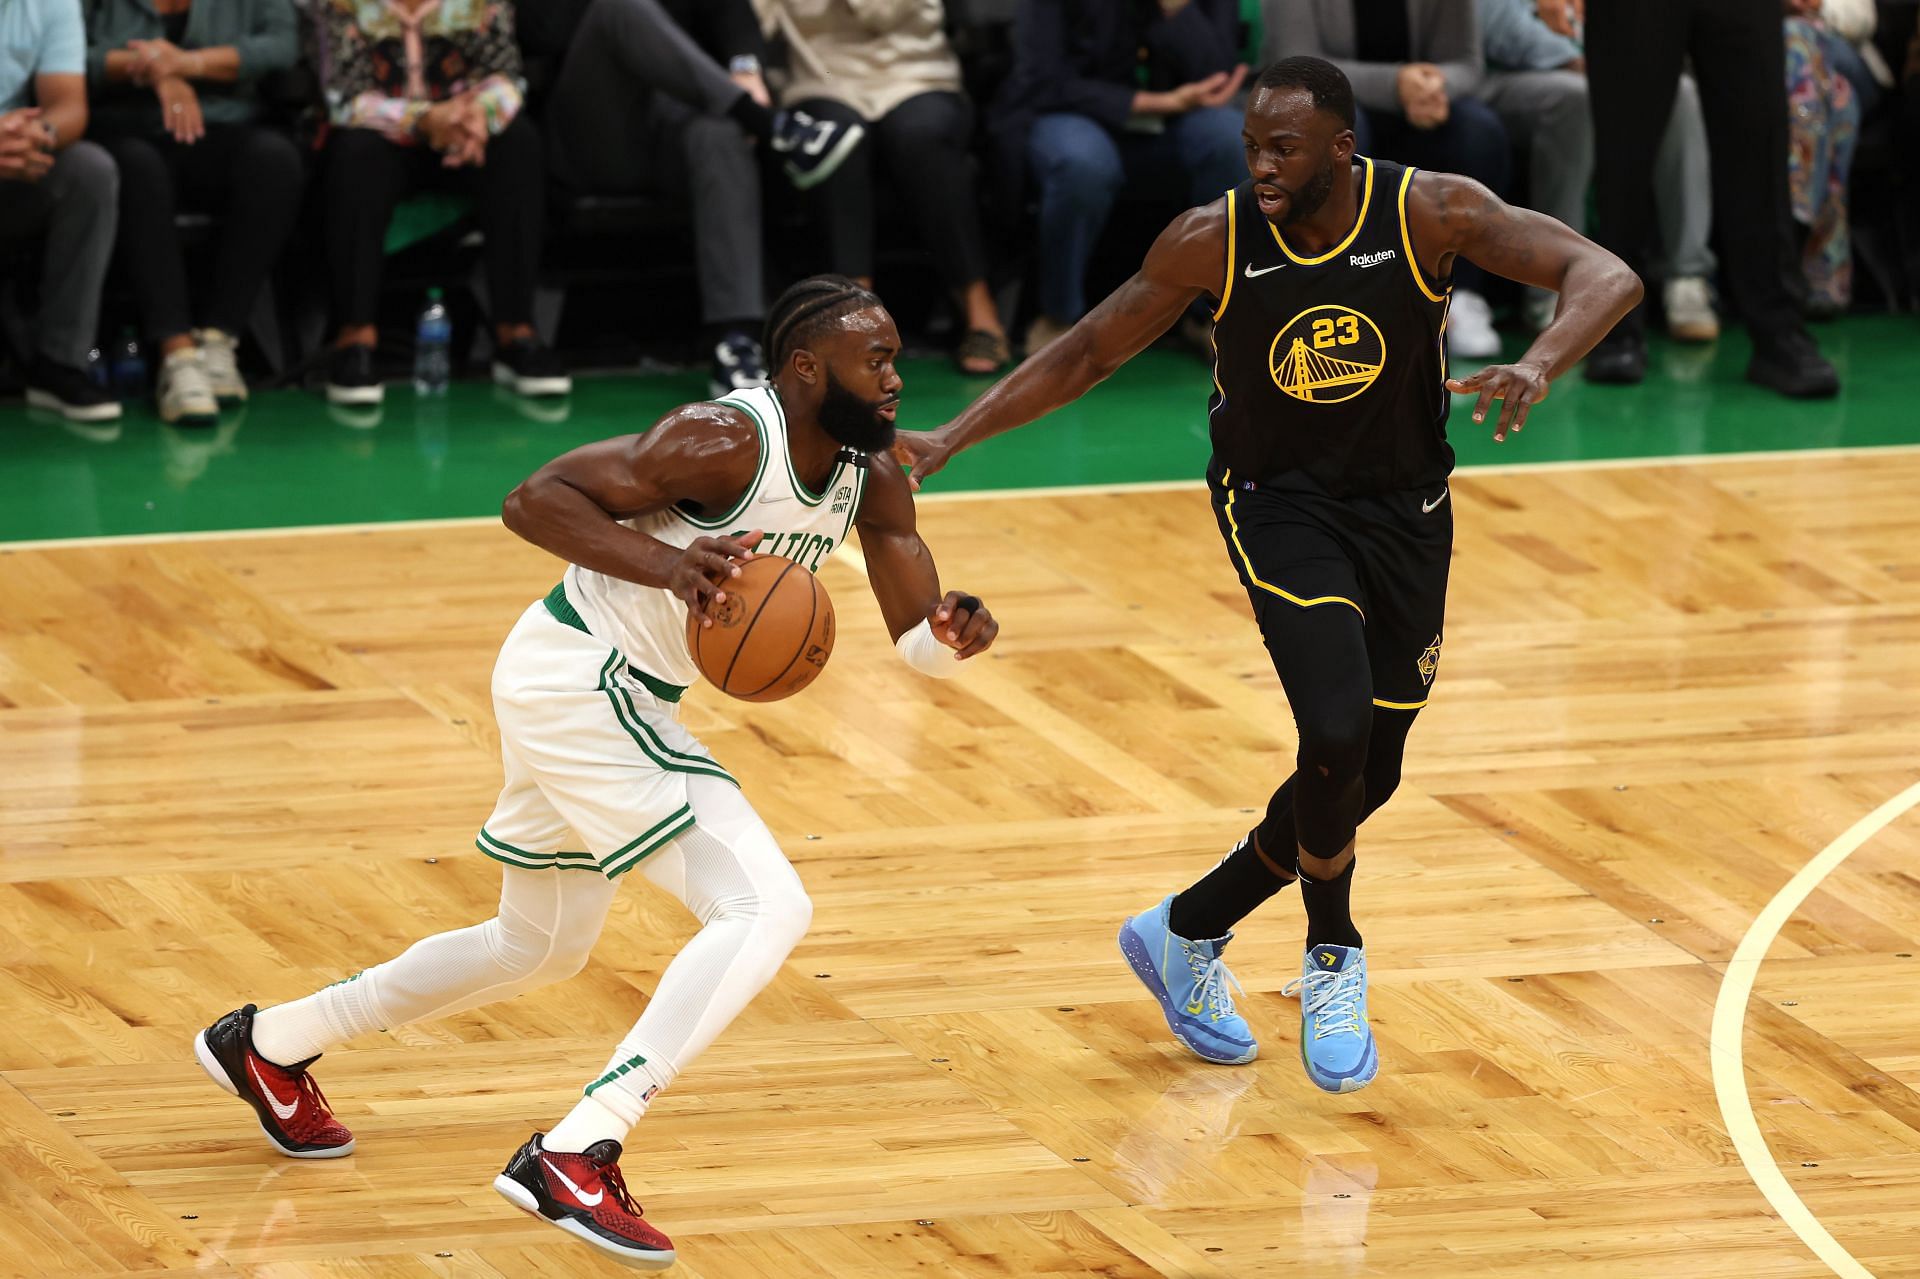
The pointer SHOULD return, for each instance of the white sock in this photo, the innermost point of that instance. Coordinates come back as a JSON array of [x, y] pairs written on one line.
[[586, 1123], [308, 1027]]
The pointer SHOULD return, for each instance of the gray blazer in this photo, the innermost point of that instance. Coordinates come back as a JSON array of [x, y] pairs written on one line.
[[1443, 32]]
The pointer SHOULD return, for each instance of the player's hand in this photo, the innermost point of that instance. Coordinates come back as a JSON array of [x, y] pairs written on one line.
[[962, 623], [703, 570], [922, 452], [1517, 386], [180, 110]]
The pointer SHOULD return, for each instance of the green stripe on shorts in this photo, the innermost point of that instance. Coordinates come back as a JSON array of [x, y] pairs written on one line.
[[643, 846]]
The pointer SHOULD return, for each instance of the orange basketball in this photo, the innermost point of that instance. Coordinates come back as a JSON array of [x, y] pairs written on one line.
[[770, 637]]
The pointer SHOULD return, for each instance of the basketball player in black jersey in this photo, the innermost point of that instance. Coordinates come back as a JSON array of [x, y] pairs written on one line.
[[1332, 273]]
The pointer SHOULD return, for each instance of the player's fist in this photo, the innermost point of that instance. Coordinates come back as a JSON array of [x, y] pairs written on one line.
[[963, 624]]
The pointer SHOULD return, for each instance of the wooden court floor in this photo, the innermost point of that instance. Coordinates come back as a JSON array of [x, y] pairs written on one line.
[[236, 769]]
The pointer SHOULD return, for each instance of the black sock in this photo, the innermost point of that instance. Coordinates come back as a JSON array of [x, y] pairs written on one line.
[[1329, 921], [751, 116], [1226, 894]]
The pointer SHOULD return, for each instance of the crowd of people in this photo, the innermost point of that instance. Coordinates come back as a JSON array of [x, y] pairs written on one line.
[[1682, 123]]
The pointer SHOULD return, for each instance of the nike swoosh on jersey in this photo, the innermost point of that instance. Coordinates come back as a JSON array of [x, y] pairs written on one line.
[[1254, 275], [284, 1111], [1427, 508], [579, 1194]]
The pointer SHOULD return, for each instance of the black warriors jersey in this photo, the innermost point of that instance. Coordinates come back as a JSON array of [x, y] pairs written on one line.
[[1330, 368]]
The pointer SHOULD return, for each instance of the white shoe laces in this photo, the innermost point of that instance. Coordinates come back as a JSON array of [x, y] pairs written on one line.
[[1214, 977], [1333, 997]]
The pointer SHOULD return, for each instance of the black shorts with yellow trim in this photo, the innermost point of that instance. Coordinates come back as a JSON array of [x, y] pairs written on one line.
[[1385, 556]]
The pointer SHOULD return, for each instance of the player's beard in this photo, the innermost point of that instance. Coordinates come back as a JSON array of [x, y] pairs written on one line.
[[852, 421], [1307, 200]]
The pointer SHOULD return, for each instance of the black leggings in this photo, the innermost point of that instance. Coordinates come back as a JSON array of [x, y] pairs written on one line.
[[367, 175], [1351, 751], [249, 174], [923, 143]]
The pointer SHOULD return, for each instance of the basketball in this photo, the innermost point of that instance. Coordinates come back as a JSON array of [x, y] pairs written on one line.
[[770, 637]]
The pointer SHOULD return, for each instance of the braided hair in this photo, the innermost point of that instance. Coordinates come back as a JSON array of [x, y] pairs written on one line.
[[806, 310]]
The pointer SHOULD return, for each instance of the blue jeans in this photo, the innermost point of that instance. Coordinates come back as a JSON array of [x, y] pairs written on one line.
[[1081, 169]]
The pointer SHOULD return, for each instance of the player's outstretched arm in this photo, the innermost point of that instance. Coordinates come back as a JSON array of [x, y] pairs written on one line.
[[1187, 260], [923, 622], [1449, 215], [572, 506]]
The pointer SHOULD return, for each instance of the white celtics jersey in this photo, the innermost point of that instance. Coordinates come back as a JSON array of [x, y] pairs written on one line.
[[649, 624]]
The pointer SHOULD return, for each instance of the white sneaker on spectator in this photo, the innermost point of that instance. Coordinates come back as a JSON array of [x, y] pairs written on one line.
[[1470, 331], [812, 149], [1690, 314], [185, 394], [217, 359]]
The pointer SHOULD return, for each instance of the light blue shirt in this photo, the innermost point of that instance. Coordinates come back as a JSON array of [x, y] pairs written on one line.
[[38, 37]]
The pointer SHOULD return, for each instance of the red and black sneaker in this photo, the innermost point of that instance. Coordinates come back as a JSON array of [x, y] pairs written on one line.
[[293, 1112], [585, 1196]]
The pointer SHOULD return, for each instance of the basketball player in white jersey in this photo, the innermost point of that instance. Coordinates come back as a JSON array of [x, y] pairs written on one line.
[[602, 779]]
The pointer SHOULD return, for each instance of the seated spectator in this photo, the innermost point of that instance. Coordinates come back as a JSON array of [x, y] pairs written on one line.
[[668, 99], [1075, 114], [58, 190], [1414, 65], [1537, 80], [1823, 123], [885, 65], [405, 118], [175, 101]]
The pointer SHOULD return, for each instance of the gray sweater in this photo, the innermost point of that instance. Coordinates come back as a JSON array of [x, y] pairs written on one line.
[[1443, 32], [264, 31]]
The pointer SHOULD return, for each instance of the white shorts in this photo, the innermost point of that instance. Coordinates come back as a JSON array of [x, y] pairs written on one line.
[[596, 761]]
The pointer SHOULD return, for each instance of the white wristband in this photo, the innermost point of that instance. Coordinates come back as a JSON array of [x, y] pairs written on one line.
[[920, 650]]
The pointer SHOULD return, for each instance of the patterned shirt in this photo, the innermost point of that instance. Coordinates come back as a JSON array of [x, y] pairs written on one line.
[[385, 63]]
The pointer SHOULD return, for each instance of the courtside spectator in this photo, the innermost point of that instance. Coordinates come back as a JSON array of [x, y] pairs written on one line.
[[428, 93], [670, 99], [886, 65], [175, 100], [59, 191], [1823, 123], [1537, 80], [1076, 115]]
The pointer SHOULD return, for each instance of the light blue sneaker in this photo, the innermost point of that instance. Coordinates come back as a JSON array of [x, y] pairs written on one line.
[[1336, 1044], [1190, 981]]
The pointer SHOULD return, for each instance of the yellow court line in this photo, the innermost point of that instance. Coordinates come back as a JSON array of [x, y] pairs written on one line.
[[1729, 1026]]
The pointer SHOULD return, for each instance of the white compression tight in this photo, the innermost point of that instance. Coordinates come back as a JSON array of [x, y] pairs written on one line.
[[727, 869]]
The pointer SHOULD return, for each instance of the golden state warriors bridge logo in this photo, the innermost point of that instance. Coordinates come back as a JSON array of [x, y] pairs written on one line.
[[1327, 354]]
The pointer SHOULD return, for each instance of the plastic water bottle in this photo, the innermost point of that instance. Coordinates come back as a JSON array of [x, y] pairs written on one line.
[[432, 348]]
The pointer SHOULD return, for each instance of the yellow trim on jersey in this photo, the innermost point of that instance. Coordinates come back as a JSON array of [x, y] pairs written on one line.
[[1247, 561], [1366, 199], [1406, 241], [1401, 706], [1226, 292]]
